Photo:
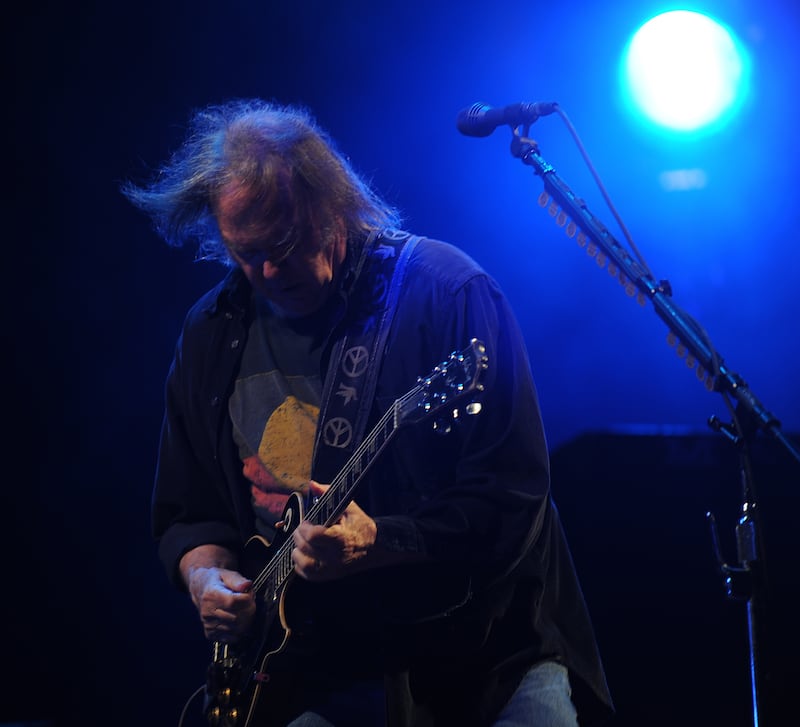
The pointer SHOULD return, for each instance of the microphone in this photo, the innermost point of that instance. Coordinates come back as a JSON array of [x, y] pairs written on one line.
[[481, 120]]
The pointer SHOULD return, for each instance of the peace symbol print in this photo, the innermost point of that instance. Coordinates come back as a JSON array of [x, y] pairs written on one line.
[[354, 361], [394, 234], [338, 432]]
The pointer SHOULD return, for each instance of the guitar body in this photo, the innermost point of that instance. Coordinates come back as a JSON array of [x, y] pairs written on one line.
[[254, 684], [240, 675], [298, 623]]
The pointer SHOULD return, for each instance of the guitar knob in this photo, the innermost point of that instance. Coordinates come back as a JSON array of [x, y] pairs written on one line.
[[442, 426]]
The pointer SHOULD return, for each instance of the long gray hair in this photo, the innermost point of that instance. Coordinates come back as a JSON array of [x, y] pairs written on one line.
[[279, 153]]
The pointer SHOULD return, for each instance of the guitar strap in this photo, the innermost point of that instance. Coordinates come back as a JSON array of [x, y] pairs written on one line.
[[356, 358]]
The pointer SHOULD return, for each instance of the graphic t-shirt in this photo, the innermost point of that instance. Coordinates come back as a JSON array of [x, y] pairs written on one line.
[[275, 407]]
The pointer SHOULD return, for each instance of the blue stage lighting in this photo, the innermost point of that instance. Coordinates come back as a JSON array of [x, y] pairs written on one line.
[[685, 72]]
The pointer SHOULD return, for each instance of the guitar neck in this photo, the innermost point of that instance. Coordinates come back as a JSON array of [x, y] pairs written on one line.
[[327, 508]]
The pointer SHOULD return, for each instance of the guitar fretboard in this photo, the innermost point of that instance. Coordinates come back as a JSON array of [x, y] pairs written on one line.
[[327, 508]]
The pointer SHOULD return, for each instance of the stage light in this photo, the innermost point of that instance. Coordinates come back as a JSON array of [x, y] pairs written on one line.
[[684, 72]]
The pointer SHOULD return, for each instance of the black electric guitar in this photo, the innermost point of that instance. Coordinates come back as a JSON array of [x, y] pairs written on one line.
[[241, 677]]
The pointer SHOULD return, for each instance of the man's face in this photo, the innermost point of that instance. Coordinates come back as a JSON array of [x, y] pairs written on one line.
[[295, 274]]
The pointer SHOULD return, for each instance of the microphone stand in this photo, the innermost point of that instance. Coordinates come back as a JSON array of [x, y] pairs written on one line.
[[747, 581]]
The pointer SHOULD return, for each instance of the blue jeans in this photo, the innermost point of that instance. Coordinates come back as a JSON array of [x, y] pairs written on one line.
[[541, 700], [362, 705]]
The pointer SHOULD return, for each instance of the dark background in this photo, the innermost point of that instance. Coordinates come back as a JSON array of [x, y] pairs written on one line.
[[93, 302]]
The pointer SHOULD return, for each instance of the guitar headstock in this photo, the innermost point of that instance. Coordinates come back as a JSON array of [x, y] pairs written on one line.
[[439, 393]]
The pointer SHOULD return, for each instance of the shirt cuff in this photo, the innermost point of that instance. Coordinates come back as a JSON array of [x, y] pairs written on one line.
[[398, 534]]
